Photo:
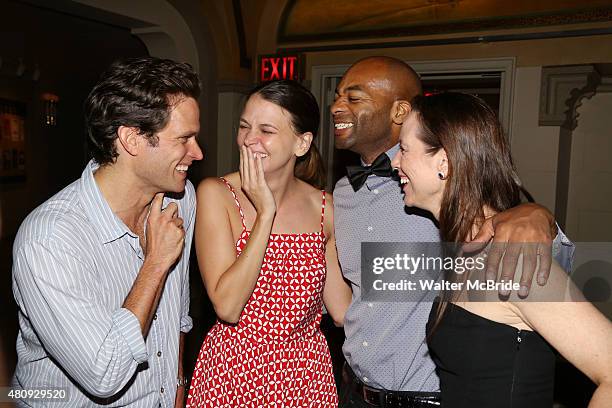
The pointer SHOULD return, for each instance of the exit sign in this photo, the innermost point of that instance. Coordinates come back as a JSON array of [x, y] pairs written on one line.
[[275, 67]]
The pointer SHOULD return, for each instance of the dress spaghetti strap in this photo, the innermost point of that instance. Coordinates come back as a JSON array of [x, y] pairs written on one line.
[[231, 189], [322, 211]]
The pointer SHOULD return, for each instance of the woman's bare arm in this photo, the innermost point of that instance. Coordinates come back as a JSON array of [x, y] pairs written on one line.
[[577, 330], [337, 292], [230, 281]]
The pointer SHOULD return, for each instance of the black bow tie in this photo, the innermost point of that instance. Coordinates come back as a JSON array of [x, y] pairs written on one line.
[[358, 175]]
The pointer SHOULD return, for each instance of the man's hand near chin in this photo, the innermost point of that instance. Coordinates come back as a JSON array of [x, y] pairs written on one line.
[[530, 228]]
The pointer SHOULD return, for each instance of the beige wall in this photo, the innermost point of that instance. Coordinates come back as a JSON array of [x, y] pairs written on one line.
[[589, 215], [534, 148], [565, 51]]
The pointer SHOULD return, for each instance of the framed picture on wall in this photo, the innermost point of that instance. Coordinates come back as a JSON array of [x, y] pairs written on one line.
[[12, 141]]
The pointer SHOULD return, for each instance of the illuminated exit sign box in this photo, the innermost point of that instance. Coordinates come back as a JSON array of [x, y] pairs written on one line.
[[284, 66]]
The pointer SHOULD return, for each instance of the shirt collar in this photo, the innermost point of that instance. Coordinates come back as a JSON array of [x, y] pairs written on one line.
[[391, 153], [98, 211]]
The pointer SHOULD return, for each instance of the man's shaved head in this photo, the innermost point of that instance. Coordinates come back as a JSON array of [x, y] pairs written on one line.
[[372, 100], [403, 81]]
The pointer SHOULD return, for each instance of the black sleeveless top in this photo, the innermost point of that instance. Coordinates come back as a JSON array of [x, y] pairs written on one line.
[[482, 363]]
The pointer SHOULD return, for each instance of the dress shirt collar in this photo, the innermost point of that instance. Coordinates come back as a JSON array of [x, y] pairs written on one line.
[[97, 209], [391, 153]]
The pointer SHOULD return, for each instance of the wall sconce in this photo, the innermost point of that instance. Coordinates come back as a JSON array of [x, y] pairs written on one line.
[[50, 102]]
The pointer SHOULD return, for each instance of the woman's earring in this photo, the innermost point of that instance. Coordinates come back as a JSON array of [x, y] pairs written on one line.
[[441, 176]]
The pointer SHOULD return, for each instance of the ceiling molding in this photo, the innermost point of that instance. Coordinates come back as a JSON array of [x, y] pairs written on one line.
[[562, 90]]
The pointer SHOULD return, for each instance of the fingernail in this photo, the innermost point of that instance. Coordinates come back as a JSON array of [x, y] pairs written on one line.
[[523, 291]]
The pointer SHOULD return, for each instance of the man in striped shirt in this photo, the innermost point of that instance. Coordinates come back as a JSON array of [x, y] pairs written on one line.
[[100, 270]]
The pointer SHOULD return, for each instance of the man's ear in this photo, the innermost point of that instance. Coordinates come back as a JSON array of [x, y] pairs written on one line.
[[305, 140], [400, 111], [129, 138]]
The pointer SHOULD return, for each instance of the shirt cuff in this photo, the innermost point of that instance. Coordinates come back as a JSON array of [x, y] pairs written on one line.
[[563, 250], [186, 324], [128, 327]]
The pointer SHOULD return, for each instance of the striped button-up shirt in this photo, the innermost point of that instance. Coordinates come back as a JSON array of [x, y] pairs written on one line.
[[385, 341], [74, 263]]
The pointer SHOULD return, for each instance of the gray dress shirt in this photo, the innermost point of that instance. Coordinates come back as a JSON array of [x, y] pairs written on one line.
[[74, 264], [385, 341]]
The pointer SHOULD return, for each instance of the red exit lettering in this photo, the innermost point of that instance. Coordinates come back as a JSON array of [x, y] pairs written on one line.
[[275, 68]]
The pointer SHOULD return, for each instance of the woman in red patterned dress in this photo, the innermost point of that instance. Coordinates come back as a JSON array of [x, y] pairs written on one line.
[[267, 255]]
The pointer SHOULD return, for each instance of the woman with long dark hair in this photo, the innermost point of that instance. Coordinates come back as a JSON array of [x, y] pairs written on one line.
[[267, 255], [455, 162]]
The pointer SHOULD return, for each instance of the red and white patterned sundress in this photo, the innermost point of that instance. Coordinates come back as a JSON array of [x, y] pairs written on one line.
[[276, 355]]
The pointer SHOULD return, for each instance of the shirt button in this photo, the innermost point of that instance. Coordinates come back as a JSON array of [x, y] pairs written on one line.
[[375, 191], [365, 379], [365, 344], [159, 354], [370, 305], [161, 390], [370, 228], [155, 316]]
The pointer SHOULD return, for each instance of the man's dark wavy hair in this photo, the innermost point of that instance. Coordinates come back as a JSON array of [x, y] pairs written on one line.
[[136, 92]]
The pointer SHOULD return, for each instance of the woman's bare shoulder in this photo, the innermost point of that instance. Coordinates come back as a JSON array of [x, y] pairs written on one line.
[[309, 191], [233, 179], [208, 187], [212, 185]]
